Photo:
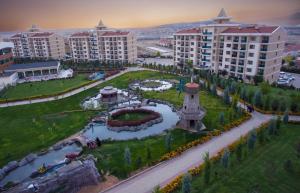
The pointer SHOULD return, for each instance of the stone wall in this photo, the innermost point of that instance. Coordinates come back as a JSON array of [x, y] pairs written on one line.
[[69, 178]]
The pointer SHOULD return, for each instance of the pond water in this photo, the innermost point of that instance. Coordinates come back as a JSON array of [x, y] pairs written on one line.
[[170, 119], [50, 158]]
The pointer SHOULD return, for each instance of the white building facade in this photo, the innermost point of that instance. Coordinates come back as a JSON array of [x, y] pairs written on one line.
[[243, 51], [105, 45], [37, 44]]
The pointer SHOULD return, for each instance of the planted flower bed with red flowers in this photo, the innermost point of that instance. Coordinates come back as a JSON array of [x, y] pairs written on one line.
[[132, 117]]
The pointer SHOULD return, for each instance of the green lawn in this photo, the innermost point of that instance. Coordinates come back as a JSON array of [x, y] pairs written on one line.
[[111, 155], [261, 171], [42, 88], [25, 129], [213, 105]]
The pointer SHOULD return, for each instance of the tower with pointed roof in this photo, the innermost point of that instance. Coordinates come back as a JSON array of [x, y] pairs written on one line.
[[222, 17], [101, 26]]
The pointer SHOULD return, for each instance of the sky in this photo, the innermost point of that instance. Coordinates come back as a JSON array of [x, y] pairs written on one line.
[[61, 14]]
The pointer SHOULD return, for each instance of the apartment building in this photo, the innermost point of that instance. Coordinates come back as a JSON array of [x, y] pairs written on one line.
[[35, 43], [6, 56], [206, 48], [104, 44]]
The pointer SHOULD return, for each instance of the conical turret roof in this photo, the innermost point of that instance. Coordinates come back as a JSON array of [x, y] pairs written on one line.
[[222, 13]]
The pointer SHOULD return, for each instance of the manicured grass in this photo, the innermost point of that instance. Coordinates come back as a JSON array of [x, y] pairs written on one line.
[[213, 105], [111, 155], [260, 171], [25, 129], [131, 116], [25, 90]]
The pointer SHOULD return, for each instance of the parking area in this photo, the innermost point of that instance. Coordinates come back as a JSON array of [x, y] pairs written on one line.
[[296, 82]]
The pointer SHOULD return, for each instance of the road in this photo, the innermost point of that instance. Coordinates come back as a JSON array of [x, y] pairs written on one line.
[[73, 92], [164, 172]]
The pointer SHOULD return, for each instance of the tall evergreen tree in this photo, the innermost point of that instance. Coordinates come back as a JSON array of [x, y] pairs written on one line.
[[149, 155], [257, 98], [226, 96], [168, 142], [127, 156], [221, 118], [286, 117], [186, 183], [251, 140], [225, 159], [207, 168]]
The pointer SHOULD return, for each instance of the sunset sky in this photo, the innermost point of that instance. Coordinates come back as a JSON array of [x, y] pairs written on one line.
[[57, 14]]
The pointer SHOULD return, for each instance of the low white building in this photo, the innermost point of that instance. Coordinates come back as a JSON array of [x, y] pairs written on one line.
[[8, 79]]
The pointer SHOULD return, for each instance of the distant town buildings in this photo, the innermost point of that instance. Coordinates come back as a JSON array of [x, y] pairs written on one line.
[[6, 55], [103, 44], [37, 44], [242, 51]]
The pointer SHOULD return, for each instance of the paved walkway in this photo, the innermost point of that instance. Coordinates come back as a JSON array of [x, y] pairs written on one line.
[[76, 91], [163, 173]]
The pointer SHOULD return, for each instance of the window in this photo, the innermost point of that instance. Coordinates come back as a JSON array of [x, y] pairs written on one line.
[[249, 70], [252, 46], [228, 52], [253, 38], [251, 54], [228, 37], [250, 62], [192, 43], [227, 59], [192, 96], [228, 45]]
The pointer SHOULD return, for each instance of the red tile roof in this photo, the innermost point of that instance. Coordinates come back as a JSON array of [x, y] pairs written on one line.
[[42, 34], [189, 31], [252, 29], [16, 36], [81, 34], [115, 33], [192, 85]]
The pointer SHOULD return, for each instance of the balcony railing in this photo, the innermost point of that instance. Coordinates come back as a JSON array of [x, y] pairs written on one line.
[[207, 33], [206, 47]]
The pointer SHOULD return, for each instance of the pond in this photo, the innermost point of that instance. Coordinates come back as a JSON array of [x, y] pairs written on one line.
[[170, 119], [51, 158]]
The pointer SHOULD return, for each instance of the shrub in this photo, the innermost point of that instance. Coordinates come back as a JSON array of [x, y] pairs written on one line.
[[258, 98], [286, 117], [251, 140], [275, 104], [226, 96], [186, 183], [225, 159], [127, 156], [288, 166], [207, 168]]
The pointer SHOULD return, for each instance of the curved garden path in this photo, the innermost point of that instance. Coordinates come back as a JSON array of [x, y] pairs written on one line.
[[73, 92], [163, 173]]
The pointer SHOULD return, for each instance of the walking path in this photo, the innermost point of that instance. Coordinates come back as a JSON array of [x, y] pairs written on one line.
[[164, 172], [73, 92]]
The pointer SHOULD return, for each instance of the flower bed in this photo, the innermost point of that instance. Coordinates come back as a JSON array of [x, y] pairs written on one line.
[[202, 140], [173, 185], [150, 115]]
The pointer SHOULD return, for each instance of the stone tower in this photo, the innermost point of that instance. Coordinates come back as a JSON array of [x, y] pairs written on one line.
[[191, 113]]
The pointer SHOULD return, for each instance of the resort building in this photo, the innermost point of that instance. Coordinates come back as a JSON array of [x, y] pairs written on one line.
[[6, 55], [37, 44], [240, 50], [38, 69], [103, 44]]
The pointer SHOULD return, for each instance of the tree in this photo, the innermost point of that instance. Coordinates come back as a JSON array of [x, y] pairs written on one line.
[[225, 159], [168, 141], [272, 127], [251, 140], [149, 156], [286, 117], [275, 104], [226, 96], [156, 189], [261, 137], [214, 90], [257, 98], [257, 79], [98, 142], [186, 183], [283, 105], [221, 118], [243, 93], [158, 54], [207, 168], [265, 88], [127, 156], [278, 122], [239, 150], [138, 162], [267, 100], [234, 101]]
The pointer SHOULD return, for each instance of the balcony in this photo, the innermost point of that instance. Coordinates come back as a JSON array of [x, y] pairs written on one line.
[[207, 33], [262, 57], [206, 53], [206, 47], [206, 40], [264, 49], [265, 41]]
